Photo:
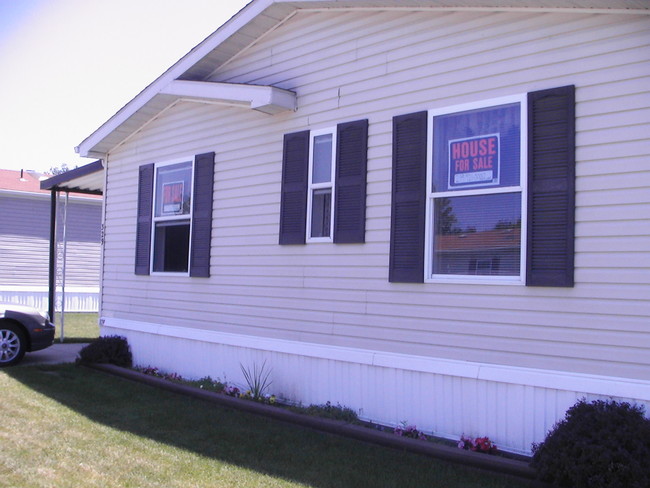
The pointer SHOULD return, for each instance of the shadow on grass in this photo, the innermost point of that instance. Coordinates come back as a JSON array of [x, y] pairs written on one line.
[[256, 443]]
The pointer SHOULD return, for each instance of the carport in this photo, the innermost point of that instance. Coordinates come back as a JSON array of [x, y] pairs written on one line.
[[87, 179]]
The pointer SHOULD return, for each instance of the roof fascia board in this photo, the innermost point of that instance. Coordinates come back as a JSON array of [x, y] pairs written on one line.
[[267, 99], [594, 6], [565, 10]]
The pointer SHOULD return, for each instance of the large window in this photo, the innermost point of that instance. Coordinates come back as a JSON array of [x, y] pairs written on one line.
[[476, 196], [486, 192], [320, 201], [172, 217]]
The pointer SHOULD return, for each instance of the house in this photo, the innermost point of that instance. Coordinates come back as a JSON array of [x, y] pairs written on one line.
[[25, 225], [433, 212]]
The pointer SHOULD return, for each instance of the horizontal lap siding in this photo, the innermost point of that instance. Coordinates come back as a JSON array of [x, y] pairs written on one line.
[[25, 242], [375, 65]]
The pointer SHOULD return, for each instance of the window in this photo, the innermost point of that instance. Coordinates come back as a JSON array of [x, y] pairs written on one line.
[[324, 185], [320, 204], [173, 232], [172, 217], [486, 192], [476, 199]]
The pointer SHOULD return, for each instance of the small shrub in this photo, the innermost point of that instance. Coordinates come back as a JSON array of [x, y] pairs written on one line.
[[329, 411], [208, 384], [109, 349], [598, 444]]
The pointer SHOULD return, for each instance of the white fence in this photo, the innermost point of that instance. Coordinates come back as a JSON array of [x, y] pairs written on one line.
[[77, 299]]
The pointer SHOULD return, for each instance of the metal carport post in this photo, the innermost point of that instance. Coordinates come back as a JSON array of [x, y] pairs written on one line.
[[87, 179]]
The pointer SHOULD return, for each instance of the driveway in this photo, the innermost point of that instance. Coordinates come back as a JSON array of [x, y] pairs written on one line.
[[55, 354]]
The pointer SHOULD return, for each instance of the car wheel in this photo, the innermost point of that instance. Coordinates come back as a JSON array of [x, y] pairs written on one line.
[[12, 344]]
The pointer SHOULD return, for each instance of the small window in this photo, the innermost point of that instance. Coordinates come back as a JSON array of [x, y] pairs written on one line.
[[476, 193], [320, 202], [324, 185], [172, 217]]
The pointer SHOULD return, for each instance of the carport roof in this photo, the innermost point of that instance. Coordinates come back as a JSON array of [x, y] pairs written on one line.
[[85, 179]]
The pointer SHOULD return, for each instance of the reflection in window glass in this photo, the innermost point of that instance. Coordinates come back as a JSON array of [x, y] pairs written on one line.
[[321, 205], [477, 149], [477, 235], [322, 169], [173, 189]]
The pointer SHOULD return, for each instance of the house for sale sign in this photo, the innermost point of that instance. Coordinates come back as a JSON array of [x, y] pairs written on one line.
[[474, 161], [172, 198]]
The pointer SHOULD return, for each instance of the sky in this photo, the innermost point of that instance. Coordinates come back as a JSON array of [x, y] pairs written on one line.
[[67, 66]]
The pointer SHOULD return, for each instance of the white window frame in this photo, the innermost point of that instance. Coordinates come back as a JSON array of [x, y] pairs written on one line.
[[429, 276], [318, 186], [171, 218]]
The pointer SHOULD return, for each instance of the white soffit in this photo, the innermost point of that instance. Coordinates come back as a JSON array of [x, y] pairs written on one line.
[[251, 23], [267, 99]]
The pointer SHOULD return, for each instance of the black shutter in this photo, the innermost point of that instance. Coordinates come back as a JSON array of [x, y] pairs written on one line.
[[409, 198], [551, 187], [350, 183], [293, 204], [202, 215], [143, 229]]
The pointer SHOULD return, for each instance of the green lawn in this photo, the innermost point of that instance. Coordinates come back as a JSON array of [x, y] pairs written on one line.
[[67, 426], [79, 327]]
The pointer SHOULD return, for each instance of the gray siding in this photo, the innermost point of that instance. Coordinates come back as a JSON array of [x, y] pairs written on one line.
[[25, 235]]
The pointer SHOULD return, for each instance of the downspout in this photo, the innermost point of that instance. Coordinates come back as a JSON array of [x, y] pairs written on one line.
[[102, 243]]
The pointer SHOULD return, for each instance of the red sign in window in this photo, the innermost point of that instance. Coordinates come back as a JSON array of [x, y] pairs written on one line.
[[474, 161], [172, 202]]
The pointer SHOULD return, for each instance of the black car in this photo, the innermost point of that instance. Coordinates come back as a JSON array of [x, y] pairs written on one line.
[[22, 329]]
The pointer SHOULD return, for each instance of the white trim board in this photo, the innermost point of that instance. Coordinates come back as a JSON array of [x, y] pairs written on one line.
[[557, 380]]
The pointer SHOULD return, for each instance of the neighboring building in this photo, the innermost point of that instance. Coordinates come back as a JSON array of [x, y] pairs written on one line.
[[433, 212], [25, 244]]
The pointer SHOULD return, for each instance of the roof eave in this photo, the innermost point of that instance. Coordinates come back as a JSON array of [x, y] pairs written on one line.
[[94, 145], [268, 13]]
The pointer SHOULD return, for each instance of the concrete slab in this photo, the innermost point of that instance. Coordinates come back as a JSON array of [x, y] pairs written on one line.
[[55, 354]]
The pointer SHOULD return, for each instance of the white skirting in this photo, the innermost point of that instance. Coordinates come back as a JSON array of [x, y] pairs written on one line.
[[513, 406], [77, 299]]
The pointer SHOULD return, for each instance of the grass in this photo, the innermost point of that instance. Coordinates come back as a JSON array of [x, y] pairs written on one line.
[[66, 426], [79, 327]]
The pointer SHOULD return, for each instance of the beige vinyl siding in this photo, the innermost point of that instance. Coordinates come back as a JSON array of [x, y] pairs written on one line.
[[364, 64]]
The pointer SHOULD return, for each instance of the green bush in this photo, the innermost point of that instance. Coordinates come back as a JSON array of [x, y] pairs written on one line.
[[108, 349], [329, 411], [598, 444]]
